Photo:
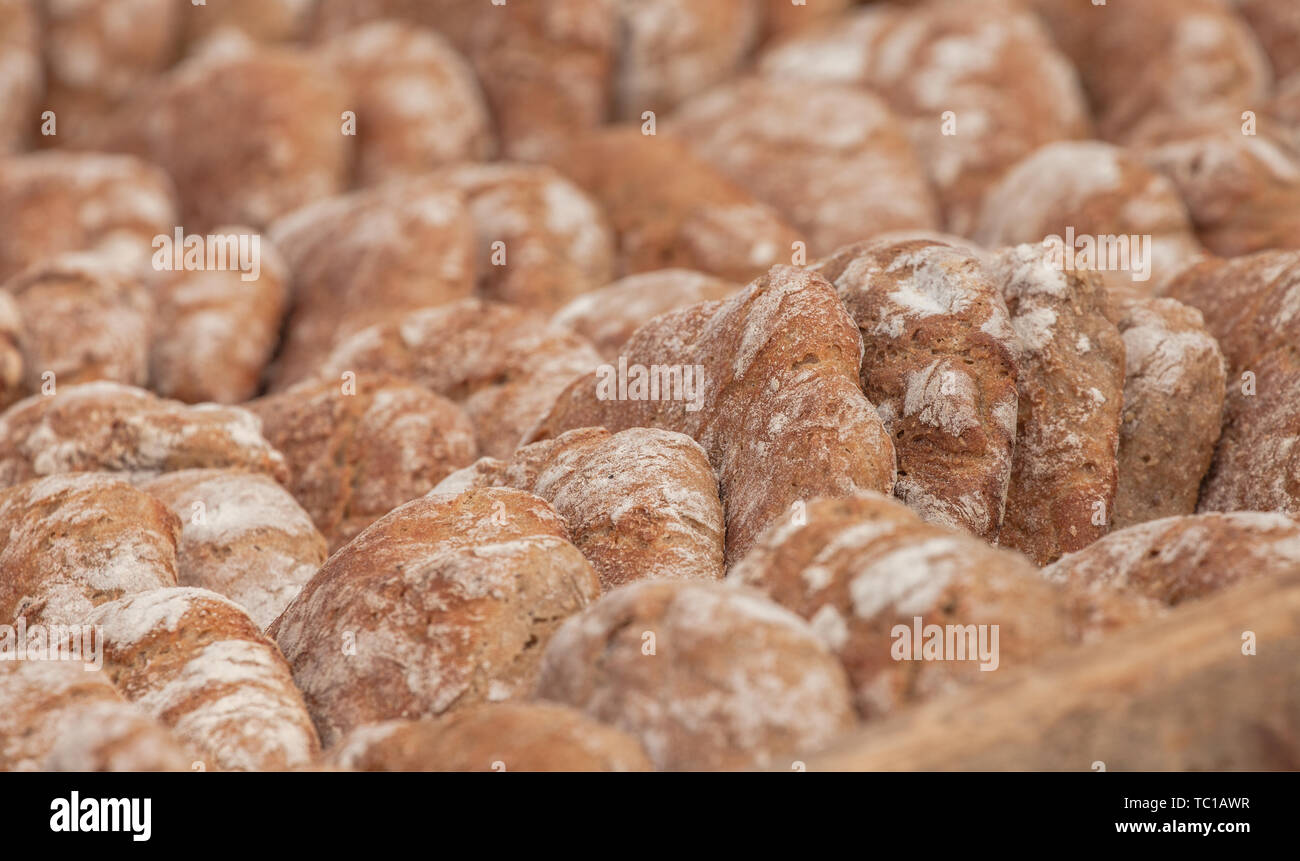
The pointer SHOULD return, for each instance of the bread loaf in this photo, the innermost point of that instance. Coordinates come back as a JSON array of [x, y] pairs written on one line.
[[939, 363], [706, 675], [493, 737], [55, 716], [504, 365], [775, 402], [358, 448], [1071, 393], [369, 257], [444, 603], [71, 542], [196, 662], [640, 504], [109, 427], [858, 567], [242, 536]]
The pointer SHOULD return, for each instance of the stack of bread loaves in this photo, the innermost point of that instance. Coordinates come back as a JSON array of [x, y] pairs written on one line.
[[628, 385]]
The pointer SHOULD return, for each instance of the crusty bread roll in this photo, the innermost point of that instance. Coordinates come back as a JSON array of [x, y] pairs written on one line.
[[671, 208], [857, 567], [71, 542], [109, 427], [979, 84], [97, 54], [215, 330], [1175, 559], [1249, 306], [503, 364], [939, 363], [1071, 394], [706, 675], [640, 504], [195, 661], [1173, 407], [416, 101], [669, 50], [1095, 190], [1242, 191], [110, 202], [607, 317], [359, 447], [855, 175], [242, 536], [493, 737], [776, 403], [55, 716], [366, 258], [84, 320], [546, 68], [286, 150], [1151, 63], [445, 603], [540, 239]]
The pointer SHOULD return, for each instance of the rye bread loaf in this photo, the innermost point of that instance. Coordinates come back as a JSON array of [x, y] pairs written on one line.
[[444, 603]]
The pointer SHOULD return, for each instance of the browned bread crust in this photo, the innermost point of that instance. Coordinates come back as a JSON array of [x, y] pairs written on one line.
[[708, 676], [444, 603], [780, 413], [493, 737]]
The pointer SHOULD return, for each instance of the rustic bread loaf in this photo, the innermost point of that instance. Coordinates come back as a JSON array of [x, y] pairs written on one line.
[[845, 139], [442, 604], [22, 77], [1175, 559], [109, 427], [416, 101], [243, 536], [1071, 394], [1094, 190], [1242, 191], [978, 83], [706, 675], [1148, 64], [369, 257], [775, 401], [96, 54], [83, 320], [55, 716], [111, 202], [71, 542], [493, 737], [670, 208], [607, 317], [857, 567], [1249, 306], [198, 663], [503, 364], [285, 150], [1173, 407], [546, 67], [939, 363], [216, 329], [670, 50], [541, 240], [640, 504], [357, 449]]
